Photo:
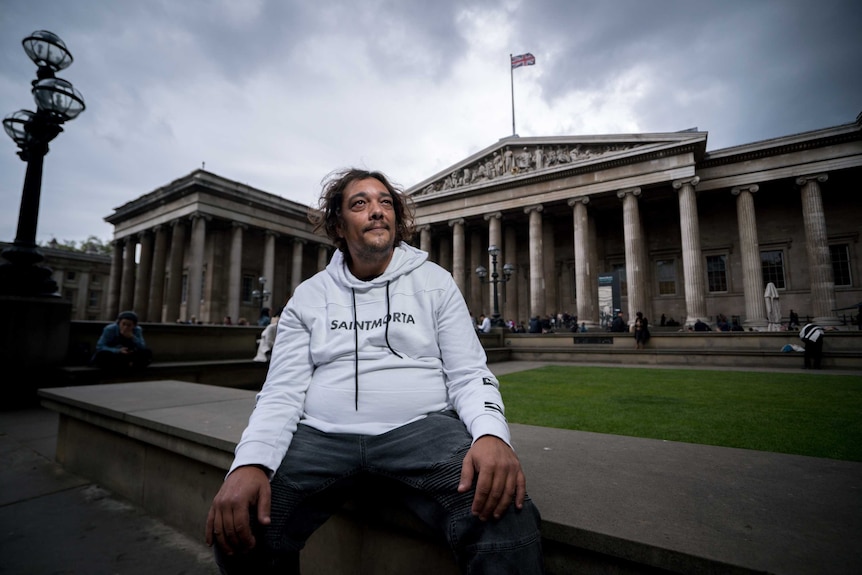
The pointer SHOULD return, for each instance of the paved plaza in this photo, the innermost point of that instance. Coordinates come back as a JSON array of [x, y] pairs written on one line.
[[55, 522]]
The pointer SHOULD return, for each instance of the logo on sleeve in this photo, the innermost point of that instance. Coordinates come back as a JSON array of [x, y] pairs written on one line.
[[490, 381], [491, 406]]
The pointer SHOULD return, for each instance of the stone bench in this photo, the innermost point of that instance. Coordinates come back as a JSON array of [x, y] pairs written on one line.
[[610, 504], [239, 373]]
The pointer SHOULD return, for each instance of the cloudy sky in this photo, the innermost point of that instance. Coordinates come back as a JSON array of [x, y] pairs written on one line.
[[277, 93]]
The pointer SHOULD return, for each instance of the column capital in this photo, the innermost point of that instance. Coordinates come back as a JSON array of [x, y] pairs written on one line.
[[423, 228], [535, 208], [142, 234], [176, 222], [633, 191], [677, 184], [802, 180], [268, 233], [456, 222], [494, 215], [582, 200], [752, 188], [200, 215], [156, 228], [299, 241], [239, 225]]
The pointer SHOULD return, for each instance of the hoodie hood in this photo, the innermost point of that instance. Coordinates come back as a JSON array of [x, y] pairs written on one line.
[[405, 258]]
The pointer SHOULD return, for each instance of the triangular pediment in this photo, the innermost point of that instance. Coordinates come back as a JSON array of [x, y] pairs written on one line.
[[514, 159]]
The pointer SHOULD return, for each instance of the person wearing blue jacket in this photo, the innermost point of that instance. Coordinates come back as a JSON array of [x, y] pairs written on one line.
[[377, 378], [122, 346]]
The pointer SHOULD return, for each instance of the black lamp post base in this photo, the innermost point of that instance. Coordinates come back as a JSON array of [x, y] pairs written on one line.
[[27, 280]]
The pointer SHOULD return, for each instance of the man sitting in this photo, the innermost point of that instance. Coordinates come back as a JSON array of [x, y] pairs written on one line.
[[121, 345]]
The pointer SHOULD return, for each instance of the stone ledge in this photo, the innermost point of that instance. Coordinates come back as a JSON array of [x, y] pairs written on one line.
[[609, 503], [238, 373]]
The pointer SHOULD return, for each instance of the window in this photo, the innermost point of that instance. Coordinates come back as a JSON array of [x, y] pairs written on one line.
[[246, 288], [666, 276], [716, 273], [69, 295], [93, 298], [772, 265], [840, 255], [70, 276]]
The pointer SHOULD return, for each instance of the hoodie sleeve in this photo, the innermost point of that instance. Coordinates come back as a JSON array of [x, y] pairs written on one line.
[[473, 389], [107, 341], [280, 402]]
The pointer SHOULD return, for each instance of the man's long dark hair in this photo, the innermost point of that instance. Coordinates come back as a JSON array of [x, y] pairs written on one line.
[[328, 213]]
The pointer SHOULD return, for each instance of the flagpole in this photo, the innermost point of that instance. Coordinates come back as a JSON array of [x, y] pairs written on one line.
[[512, 81]]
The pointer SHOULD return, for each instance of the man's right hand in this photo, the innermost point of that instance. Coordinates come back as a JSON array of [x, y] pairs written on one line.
[[228, 521]]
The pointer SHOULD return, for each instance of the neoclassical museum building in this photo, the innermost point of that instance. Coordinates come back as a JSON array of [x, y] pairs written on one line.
[[666, 228]]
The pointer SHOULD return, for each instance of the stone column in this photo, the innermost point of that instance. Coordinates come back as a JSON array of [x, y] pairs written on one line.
[[127, 287], [269, 263], [82, 298], [495, 238], [322, 257], [425, 238], [511, 287], [635, 262], [296, 267], [157, 276], [692, 258], [537, 278], [585, 281], [458, 254], [749, 247], [112, 308], [817, 246], [145, 270], [476, 290], [234, 274], [196, 266], [444, 249], [175, 271]]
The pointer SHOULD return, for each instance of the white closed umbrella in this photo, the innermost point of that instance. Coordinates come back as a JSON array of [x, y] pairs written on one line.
[[773, 307]]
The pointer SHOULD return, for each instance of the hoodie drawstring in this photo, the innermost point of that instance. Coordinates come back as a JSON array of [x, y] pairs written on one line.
[[356, 344], [386, 333], [355, 354]]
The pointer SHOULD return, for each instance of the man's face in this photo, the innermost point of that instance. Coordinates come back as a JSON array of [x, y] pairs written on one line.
[[127, 327], [367, 221]]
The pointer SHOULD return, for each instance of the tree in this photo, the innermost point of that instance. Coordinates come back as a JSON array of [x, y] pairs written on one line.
[[92, 245]]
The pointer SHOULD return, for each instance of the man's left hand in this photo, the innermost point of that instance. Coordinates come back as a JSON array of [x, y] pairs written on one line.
[[498, 474]]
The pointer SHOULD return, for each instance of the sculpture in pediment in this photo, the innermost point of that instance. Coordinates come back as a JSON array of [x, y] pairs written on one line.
[[506, 162]]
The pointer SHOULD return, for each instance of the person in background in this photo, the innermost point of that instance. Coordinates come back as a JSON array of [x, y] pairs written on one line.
[[484, 324], [811, 335], [376, 378], [619, 324], [264, 318], [267, 339], [642, 334], [122, 346], [794, 320]]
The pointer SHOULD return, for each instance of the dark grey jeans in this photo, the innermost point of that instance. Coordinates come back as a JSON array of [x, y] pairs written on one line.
[[419, 463]]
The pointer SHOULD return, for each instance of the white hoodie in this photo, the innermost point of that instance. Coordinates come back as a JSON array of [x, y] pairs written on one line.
[[366, 357]]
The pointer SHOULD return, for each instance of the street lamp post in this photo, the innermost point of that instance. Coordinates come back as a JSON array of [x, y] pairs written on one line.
[[57, 102], [482, 272], [261, 295]]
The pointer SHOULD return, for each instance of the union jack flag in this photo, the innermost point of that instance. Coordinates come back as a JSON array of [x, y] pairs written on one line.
[[523, 60]]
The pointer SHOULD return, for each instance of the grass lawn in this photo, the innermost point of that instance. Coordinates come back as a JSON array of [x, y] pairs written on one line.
[[805, 414]]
